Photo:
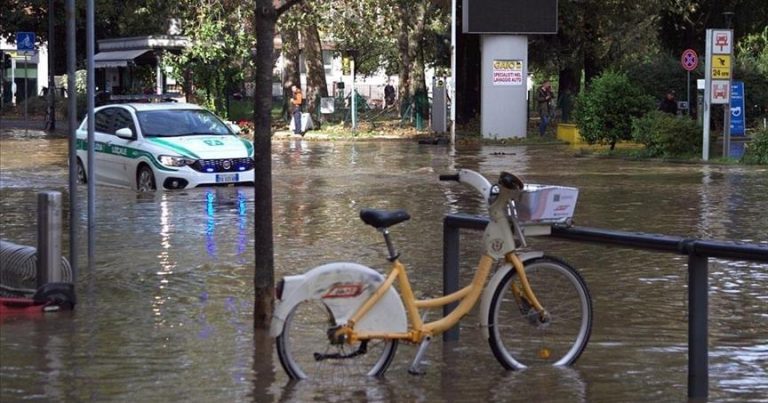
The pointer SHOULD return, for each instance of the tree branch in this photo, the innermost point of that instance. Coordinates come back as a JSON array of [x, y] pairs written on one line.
[[288, 4]]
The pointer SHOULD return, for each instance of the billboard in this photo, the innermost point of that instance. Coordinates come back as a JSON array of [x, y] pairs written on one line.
[[509, 16]]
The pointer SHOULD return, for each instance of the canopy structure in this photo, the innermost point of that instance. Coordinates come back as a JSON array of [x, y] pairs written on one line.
[[122, 64], [117, 58]]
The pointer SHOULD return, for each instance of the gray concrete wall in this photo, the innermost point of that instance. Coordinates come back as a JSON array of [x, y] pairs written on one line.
[[503, 109]]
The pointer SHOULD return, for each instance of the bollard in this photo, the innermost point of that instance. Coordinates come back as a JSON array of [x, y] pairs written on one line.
[[48, 238]]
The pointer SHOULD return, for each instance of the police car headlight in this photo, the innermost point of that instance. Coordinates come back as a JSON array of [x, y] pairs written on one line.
[[173, 161]]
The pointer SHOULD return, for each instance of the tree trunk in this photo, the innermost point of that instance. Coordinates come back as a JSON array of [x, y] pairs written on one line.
[[418, 83], [291, 68], [264, 263], [467, 74], [404, 92], [313, 56]]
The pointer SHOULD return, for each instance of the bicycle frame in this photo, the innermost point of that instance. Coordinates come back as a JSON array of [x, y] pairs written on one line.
[[499, 243]]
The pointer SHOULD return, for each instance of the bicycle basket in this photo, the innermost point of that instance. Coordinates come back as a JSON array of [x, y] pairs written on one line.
[[546, 204]]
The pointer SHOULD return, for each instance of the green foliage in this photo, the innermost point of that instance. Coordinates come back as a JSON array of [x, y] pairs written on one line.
[[665, 135], [220, 51], [752, 68], [663, 73], [756, 151], [604, 111]]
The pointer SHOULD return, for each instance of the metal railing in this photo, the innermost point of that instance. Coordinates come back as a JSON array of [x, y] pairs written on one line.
[[698, 252]]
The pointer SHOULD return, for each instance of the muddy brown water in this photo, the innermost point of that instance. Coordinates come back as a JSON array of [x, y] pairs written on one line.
[[164, 310]]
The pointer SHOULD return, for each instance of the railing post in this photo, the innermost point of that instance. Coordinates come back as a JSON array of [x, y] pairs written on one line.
[[698, 354], [450, 272], [48, 238]]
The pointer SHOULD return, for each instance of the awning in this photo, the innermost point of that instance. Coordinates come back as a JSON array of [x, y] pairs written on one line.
[[116, 58]]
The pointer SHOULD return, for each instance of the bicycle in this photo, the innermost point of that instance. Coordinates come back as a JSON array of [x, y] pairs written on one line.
[[344, 318]]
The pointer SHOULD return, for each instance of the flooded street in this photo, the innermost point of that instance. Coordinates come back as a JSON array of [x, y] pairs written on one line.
[[165, 312]]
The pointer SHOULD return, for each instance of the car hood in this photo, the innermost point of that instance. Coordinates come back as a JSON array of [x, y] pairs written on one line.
[[205, 147]]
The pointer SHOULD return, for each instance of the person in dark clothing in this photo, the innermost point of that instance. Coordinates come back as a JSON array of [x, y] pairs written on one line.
[[544, 99], [389, 95], [669, 103]]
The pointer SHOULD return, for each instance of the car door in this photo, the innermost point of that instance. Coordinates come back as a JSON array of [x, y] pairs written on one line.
[[121, 149], [102, 136]]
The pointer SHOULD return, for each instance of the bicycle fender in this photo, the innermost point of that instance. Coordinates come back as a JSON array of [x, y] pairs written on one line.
[[485, 302], [343, 287]]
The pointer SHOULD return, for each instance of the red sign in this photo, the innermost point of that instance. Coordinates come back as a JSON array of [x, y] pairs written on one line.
[[689, 60]]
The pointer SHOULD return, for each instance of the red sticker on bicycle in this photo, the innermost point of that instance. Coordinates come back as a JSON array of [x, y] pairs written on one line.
[[344, 290]]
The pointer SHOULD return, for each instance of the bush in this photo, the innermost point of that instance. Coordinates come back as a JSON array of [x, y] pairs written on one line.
[[756, 151], [604, 111], [665, 135]]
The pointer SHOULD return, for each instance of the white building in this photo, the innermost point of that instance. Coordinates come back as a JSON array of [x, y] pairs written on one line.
[[30, 72]]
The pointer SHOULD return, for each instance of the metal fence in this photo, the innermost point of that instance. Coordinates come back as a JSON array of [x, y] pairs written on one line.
[[698, 251]]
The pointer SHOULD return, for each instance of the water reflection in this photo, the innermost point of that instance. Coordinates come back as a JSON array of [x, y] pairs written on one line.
[[166, 313]]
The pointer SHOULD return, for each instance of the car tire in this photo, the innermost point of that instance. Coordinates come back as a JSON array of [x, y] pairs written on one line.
[[82, 178], [145, 179]]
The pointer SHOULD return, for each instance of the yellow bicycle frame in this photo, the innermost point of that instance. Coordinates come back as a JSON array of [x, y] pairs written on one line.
[[468, 297]]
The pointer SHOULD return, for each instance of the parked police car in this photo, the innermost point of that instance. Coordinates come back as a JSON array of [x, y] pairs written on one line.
[[146, 146]]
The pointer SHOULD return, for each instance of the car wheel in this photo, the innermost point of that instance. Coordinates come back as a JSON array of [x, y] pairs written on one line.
[[82, 178], [145, 180]]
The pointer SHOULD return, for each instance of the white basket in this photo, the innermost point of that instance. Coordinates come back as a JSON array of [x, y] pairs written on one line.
[[546, 203]]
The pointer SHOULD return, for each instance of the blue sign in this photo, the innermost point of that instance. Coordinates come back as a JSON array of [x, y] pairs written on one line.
[[737, 108], [25, 43]]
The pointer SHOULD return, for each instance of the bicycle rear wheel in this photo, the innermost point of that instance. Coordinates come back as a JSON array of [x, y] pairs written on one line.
[[519, 338], [306, 352]]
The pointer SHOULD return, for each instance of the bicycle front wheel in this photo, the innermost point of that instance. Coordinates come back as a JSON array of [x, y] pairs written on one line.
[[520, 336], [307, 352]]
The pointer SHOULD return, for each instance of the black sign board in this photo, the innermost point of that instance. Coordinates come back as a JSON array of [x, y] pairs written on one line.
[[509, 16]]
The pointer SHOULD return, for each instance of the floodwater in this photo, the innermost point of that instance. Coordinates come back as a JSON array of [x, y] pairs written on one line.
[[165, 309]]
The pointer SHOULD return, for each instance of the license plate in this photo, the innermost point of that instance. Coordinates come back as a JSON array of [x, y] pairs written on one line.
[[226, 178]]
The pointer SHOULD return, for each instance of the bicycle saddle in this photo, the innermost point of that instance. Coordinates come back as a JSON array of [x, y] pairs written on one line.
[[383, 218]]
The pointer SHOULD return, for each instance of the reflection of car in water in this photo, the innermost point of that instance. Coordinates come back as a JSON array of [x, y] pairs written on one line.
[[231, 199], [163, 145]]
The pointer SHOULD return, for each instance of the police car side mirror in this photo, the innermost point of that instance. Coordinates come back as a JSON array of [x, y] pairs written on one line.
[[125, 133]]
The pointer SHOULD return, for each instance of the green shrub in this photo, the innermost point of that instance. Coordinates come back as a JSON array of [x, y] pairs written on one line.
[[604, 111], [62, 106], [665, 135], [756, 151]]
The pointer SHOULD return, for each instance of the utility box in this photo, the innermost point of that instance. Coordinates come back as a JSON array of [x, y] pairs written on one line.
[[439, 105]]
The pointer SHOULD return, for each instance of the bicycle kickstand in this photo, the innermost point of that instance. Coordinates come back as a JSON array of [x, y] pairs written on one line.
[[415, 368]]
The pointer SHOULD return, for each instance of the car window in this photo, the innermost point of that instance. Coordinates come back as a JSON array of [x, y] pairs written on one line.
[[123, 119], [180, 122], [103, 121]]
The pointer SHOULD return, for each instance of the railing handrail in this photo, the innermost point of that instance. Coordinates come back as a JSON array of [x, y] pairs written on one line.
[[698, 250], [656, 242]]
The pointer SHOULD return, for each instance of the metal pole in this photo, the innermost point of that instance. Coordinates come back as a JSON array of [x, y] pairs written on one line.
[[452, 92], [707, 96], [688, 93], [698, 365], [450, 272], [353, 101], [26, 91], [727, 129], [72, 118], [90, 93], [51, 71], [48, 238]]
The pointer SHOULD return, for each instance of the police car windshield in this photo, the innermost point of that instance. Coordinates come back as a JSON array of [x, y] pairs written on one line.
[[180, 122]]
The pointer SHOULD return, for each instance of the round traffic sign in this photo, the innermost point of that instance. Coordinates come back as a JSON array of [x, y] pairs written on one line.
[[689, 59]]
